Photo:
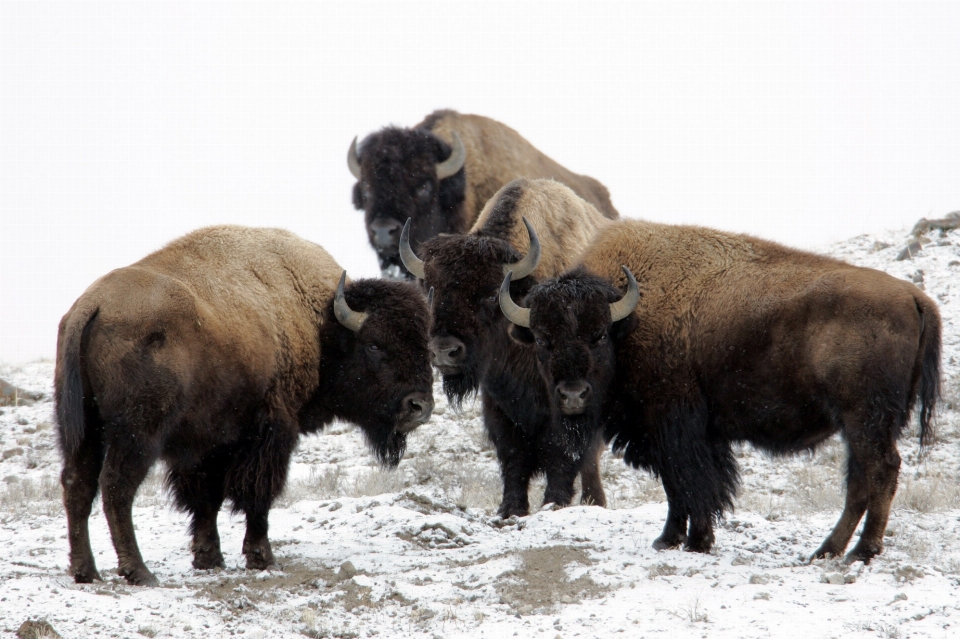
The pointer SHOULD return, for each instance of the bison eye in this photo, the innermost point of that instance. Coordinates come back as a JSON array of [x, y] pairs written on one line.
[[600, 337], [425, 191], [373, 348]]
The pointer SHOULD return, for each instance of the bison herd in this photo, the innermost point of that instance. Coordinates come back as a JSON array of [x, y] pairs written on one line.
[[578, 330]]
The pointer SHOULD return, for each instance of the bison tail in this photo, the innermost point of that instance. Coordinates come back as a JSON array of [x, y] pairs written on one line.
[[927, 389], [70, 379]]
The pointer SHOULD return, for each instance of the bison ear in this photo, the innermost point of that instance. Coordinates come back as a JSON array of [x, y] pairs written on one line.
[[521, 335], [358, 202]]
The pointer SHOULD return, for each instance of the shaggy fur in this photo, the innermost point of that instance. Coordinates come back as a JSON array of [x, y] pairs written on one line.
[[207, 354], [737, 339], [399, 178], [465, 272]]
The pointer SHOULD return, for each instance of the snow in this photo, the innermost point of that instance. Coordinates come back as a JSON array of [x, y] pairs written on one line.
[[417, 552]]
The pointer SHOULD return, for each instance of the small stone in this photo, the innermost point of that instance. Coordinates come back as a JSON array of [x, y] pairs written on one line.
[[525, 609], [12, 452], [335, 506], [761, 580], [832, 578], [347, 571]]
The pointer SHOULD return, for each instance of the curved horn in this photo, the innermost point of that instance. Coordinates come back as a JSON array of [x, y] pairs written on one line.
[[625, 305], [529, 262], [353, 160], [413, 263], [516, 314], [455, 162], [350, 318]]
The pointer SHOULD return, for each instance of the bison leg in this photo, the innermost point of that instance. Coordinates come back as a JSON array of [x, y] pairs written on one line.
[[200, 492], [125, 467], [516, 456], [700, 537], [560, 478], [591, 487], [675, 529], [81, 470], [883, 470], [256, 480], [858, 497]]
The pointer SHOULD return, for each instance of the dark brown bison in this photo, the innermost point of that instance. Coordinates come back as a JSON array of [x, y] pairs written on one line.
[[214, 354], [736, 339], [440, 174], [472, 349]]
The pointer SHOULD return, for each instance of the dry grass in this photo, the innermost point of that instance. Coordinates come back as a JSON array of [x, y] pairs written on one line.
[[41, 496]]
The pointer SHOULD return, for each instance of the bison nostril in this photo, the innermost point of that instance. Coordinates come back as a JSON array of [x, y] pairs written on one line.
[[574, 392], [385, 232], [418, 407], [448, 351]]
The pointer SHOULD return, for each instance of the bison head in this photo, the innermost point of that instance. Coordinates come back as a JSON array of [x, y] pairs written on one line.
[[465, 272], [574, 321], [407, 174], [375, 362]]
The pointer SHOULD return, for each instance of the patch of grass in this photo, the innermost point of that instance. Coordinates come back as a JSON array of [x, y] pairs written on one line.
[[927, 494], [36, 496]]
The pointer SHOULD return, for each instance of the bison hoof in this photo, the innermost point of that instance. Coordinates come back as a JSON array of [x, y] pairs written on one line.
[[140, 577], [86, 575], [661, 543], [826, 551], [208, 560], [699, 545], [261, 561], [506, 512], [863, 552]]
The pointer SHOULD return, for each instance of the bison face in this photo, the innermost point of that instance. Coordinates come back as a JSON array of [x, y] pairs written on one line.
[[468, 332], [407, 173], [574, 322], [375, 364]]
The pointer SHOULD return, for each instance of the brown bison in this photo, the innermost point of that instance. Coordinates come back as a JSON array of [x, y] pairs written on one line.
[[214, 354], [440, 174], [472, 349], [736, 339]]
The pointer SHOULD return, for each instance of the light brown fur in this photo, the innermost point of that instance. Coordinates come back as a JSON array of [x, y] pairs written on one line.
[[564, 222], [515, 157]]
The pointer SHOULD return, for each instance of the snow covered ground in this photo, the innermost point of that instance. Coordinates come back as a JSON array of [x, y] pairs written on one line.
[[417, 552]]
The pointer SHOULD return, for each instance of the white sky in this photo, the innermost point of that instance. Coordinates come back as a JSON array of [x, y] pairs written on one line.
[[124, 125]]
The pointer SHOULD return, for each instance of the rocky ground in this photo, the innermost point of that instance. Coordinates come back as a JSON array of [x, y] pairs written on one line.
[[418, 553]]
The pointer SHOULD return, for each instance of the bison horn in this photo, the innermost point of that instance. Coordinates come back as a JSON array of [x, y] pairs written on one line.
[[625, 305], [430, 298], [529, 262], [350, 318], [454, 163], [413, 263], [353, 160], [516, 314]]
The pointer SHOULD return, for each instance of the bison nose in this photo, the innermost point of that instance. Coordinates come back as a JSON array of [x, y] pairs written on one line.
[[416, 408], [447, 351], [573, 396], [386, 233]]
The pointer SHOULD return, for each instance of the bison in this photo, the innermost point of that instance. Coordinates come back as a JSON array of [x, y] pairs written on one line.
[[214, 354], [440, 174], [469, 340], [736, 339]]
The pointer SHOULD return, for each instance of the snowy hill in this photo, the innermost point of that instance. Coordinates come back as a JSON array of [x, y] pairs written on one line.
[[417, 552]]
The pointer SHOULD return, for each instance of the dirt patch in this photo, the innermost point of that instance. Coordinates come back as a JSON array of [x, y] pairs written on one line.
[[542, 581], [248, 590]]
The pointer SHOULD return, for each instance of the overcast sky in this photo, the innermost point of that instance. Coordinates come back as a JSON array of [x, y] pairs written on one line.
[[124, 125]]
